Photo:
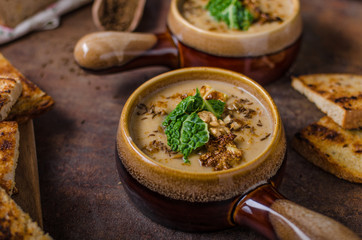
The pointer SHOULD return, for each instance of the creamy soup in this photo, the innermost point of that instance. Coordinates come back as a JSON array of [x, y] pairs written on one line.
[[252, 124], [195, 12]]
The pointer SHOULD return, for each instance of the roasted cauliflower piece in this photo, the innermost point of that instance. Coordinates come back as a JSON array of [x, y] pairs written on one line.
[[222, 153], [208, 93]]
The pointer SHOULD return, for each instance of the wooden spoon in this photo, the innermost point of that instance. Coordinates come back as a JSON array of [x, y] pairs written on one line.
[[117, 15]]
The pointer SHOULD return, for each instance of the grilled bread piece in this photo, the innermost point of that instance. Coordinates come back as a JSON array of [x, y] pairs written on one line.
[[9, 153], [15, 224], [10, 91], [32, 100], [337, 95], [332, 148]]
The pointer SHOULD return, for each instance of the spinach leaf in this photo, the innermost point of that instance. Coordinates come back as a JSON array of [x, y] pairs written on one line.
[[216, 107], [194, 134], [232, 12]]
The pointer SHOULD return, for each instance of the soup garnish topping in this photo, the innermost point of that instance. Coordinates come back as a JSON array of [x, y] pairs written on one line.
[[185, 130], [234, 14]]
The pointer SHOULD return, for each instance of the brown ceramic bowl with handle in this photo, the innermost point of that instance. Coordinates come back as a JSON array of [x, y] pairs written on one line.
[[245, 195], [264, 52]]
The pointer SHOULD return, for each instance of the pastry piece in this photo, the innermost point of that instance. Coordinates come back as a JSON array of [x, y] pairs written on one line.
[[32, 101], [15, 224], [12, 12], [9, 153], [10, 91], [332, 148], [337, 95]]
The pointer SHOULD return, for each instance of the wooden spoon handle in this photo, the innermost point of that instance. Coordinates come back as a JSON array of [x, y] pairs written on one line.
[[103, 50], [268, 212]]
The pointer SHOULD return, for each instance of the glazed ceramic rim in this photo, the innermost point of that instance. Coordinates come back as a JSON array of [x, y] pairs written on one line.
[[243, 44], [128, 107]]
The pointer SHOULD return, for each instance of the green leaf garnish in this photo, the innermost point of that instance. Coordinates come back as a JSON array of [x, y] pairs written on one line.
[[194, 134], [184, 129], [216, 107], [232, 12], [173, 122]]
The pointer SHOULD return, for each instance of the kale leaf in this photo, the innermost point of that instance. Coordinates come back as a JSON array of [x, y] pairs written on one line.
[[188, 105], [216, 107], [232, 12], [184, 129], [173, 122], [194, 134]]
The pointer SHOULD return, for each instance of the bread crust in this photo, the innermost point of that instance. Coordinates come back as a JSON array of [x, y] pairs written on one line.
[[15, 224], [9, 153], [10, 91], [337, 95], [32, 101], [332, 148]]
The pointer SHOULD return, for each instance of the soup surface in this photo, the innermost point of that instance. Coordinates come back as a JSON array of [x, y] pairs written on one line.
[[195, 12], [253, 125]]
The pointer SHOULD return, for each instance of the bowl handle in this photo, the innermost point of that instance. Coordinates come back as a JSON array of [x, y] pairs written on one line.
[[271, 214], [124, 50]]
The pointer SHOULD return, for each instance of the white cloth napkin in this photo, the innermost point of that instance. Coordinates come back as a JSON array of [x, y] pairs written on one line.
[[44, 20]]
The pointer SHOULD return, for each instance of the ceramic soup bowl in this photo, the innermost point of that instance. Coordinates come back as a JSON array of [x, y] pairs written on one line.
[[195, 200], [264, 52]]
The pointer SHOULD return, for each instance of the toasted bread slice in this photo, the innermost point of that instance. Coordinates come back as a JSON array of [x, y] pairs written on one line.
[[15, 224], [10, 91], [337, 95], [9, 153], [332, 148], [32, 100]]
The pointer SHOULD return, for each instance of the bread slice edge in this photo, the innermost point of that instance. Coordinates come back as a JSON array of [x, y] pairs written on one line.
[[305, 143], [12, 90], [334, 111], [9, 145], [15, 223]]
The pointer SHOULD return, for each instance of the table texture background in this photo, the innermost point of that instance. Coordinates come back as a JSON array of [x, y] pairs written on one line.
[[80, 192]]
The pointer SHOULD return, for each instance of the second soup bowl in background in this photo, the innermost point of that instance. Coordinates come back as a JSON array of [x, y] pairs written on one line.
[[263, 53]]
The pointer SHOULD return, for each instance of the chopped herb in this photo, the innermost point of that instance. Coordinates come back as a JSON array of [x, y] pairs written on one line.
[[265, 137], [142, 107], [252, 130], [250, 113], [156, 146], [259, 124]]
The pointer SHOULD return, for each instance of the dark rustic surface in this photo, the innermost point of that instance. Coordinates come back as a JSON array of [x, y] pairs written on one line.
[[81, 197]]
